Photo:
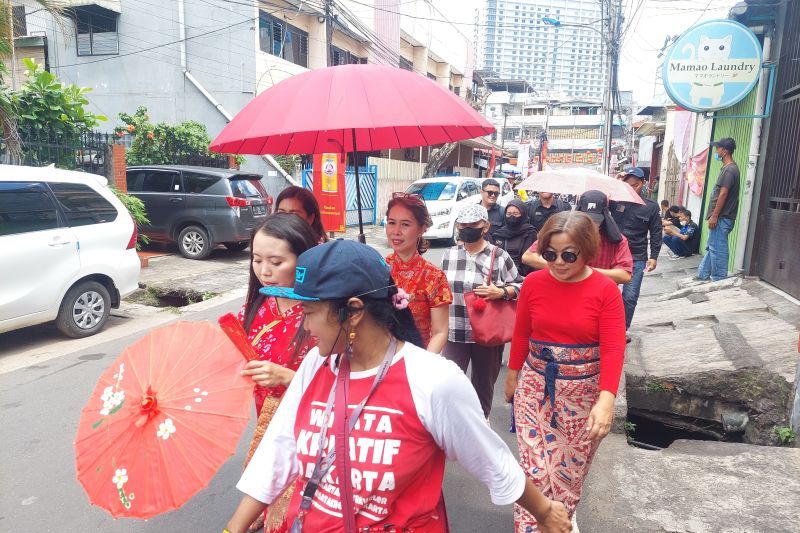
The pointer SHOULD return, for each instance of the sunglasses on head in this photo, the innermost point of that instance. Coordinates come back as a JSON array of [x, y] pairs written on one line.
[[414, 197], [569, 257], [492, 193]]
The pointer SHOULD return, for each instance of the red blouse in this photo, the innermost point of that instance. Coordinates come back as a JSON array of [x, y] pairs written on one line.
[[585, 312], [426, 286], [272, 335]]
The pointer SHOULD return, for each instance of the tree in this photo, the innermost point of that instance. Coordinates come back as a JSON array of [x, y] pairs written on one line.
[[162, 143], [440, 155]]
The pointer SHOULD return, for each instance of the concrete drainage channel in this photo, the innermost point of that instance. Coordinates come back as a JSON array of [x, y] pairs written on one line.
[[168, 298], [656, 431]]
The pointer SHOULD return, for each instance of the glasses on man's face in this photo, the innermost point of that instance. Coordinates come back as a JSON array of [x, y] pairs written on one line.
[[568, 257], [492, 193]]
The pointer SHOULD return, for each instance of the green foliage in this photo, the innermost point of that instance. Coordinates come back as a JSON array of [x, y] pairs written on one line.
[[630, 427], [162, 143], [137, 210], [288, 162], [786, 435], [46, 104], [47, 112]]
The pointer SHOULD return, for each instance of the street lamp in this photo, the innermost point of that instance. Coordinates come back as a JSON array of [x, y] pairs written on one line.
[[608, 102]]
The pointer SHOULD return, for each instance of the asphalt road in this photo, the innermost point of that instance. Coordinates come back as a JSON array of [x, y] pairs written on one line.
[[40, 405]]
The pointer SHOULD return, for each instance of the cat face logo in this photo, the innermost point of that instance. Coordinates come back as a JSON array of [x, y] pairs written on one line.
[[300, 275]]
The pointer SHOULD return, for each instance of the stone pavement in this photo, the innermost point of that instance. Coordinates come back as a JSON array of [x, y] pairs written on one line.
[[692, 486], [701, 351]]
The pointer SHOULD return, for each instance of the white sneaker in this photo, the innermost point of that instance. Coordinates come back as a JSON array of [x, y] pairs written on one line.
[[575, 523]]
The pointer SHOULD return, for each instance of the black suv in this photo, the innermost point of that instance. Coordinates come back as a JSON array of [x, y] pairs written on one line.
[[199, 207]]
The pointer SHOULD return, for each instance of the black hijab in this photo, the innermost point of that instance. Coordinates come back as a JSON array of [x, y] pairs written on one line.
[[506, 231]]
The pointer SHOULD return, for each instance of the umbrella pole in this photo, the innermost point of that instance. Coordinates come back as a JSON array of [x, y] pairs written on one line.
[[361, 238]]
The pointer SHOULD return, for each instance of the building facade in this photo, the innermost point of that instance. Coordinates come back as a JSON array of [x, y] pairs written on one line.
[[568, 59]]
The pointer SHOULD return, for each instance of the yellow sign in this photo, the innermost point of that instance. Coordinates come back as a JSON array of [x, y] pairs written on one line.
[[330, 174]]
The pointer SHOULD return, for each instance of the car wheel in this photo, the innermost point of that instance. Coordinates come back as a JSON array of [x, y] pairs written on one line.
[[236, 246], [84, 310], [193, 242]]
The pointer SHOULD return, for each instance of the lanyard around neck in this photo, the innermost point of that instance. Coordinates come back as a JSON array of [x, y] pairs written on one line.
[[324, 464]]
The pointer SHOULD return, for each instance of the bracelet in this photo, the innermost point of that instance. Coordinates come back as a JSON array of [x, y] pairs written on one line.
[[506, 295]]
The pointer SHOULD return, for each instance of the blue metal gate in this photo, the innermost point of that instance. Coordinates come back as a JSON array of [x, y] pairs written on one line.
[[368, 176]]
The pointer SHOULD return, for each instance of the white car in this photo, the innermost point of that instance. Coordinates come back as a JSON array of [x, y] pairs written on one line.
[[446, 195], [67, 250]]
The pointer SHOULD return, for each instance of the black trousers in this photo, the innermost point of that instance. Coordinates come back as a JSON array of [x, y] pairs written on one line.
[[486, 362]]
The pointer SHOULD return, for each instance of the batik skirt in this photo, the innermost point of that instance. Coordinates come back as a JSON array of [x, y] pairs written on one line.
[[557, 388]]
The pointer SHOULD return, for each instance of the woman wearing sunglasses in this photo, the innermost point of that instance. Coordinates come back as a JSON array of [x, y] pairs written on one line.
[[566, 361], [429, 295]]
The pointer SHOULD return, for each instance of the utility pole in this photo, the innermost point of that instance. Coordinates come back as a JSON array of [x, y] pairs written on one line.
[[612, 51], [13, 68], [328, 32]]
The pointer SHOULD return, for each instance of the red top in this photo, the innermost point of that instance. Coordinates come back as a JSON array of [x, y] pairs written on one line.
[[426, 286], [609, 255], [272, 336], [585, 312]]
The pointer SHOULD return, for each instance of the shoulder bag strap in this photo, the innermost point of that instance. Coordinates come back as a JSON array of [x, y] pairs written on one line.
[[491, 264], [342, 460]]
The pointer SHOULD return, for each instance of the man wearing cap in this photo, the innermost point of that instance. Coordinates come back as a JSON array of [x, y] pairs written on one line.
[[722, 210], [613, 257], [490, 194], [637, 222]]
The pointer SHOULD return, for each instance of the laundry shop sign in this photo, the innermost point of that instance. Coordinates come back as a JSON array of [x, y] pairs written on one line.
[[712, 66]]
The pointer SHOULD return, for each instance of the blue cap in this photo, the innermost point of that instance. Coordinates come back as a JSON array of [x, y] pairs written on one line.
[[636, 172], [337, 269]]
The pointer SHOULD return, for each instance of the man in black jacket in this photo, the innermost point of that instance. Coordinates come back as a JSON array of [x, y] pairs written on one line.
[[543, 208], [637, 221]]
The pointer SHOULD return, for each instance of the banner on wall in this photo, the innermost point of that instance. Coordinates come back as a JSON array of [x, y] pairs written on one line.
[[329, 189], [696, 172]]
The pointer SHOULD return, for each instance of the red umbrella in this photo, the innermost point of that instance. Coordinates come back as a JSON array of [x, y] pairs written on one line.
[[577, 181], [350, 108], [162, 420]]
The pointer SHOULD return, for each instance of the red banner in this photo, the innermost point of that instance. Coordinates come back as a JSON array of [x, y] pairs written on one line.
[[329, 189]]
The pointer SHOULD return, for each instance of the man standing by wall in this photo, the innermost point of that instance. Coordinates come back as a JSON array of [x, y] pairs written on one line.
[[490, 194], [722, 210], [637, 221]]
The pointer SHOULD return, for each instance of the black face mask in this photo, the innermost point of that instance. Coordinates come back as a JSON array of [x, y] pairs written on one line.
[[513, 221], [470, 235]]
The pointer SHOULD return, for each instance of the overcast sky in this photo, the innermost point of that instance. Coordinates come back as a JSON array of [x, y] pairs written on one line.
[[648, 26]]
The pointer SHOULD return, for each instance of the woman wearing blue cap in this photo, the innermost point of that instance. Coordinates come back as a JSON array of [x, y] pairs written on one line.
[[368, 420]]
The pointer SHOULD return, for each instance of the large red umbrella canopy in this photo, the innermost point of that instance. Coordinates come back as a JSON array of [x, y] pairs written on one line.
[[327, 109]]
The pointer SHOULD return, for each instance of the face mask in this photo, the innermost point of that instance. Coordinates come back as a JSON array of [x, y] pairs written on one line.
[[717, 156], [513, 221], [470, 235]]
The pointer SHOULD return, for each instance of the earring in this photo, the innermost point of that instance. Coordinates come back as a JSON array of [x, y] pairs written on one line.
[[352, 337]]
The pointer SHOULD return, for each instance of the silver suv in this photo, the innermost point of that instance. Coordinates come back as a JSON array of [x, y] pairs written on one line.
[[199, 207]]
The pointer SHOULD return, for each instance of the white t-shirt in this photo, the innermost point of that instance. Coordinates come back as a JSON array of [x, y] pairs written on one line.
[[446, 407]]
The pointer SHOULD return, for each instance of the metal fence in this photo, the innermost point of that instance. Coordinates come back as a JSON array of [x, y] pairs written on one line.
[[368, 177], [85, 150]]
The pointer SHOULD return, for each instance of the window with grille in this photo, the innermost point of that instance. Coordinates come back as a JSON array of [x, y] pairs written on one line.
[[281, 39], [344, 57], [18, 17], [405, 64], [96, 30]]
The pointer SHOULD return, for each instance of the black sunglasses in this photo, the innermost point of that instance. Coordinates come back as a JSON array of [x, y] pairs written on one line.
[[569, 257], [492, 193]]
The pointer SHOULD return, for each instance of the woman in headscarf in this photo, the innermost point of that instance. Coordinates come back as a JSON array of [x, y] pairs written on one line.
[[516, 235]]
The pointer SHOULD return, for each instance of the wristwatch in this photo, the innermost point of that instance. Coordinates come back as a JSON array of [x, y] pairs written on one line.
[[506, 295]]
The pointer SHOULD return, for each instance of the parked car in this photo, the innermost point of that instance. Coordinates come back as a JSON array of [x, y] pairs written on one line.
[[68, 249], [446, 195], [199, 207]]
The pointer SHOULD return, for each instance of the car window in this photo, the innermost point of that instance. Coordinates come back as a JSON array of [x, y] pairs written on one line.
[[25, 208], [433, 190], [470, 188], [244, 188], [132, 180], [82, 205], [160, 181], [198, 183]]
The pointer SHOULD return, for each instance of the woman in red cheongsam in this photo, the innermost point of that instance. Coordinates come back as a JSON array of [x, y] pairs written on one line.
[[274, 326], [429, 294]]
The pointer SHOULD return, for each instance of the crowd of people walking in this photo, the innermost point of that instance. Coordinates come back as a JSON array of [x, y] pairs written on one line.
[[359, 403]]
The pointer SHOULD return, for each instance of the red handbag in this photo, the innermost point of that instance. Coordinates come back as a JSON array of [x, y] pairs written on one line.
[[492, 321]]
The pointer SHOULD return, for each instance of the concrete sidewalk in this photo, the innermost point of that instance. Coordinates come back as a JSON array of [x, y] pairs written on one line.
[[701, 353]]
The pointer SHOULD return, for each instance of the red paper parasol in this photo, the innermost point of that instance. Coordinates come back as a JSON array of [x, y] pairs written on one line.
[[162, 420]]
